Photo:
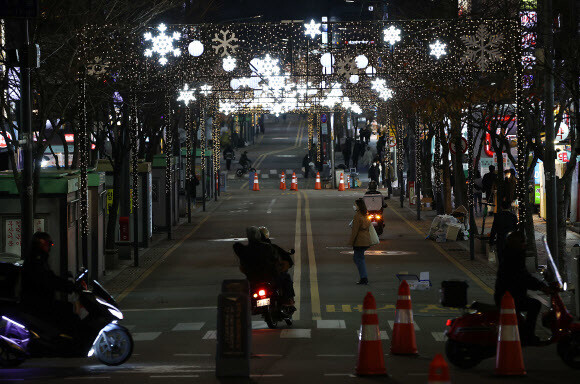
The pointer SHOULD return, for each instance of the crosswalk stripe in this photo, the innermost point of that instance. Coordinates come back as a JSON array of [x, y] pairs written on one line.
[[188, 327], [296, 334], [145, 336], [273, 172], [383, 334], [330, 324], [438, 336], [392, 324], [257, 324], [210, 335]]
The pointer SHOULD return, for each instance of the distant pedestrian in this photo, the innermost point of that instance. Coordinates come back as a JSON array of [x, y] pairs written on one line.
[[360, 239], [229, 155], [356, 153], [306, 165], [477, 191], [346, 152], [374, 172], [487, 183], [367, 159], [504, 222]]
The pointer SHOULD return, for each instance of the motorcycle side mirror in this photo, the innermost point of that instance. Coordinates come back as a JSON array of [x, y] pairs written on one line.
[[292, 251]]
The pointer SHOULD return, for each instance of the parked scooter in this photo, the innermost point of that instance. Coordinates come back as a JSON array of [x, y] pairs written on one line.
[[473, 336], [24, 336]]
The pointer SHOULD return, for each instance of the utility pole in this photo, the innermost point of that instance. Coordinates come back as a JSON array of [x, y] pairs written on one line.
[[549, 152]]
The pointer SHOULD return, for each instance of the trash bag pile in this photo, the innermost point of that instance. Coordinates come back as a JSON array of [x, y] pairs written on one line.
[[446, 227]]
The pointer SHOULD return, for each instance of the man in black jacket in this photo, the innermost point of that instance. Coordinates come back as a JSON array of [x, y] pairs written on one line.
[[487, 183], [504, 222], [513, 276]]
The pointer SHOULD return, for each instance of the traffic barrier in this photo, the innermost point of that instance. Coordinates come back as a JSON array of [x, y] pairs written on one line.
[[294, 185], [283, 181], [404, 342], [318, 184], [509, 360], [341, 183], [370, 349], [256, 182], [438, 371]]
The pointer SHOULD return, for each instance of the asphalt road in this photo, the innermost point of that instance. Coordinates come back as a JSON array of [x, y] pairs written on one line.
[[172, 310]]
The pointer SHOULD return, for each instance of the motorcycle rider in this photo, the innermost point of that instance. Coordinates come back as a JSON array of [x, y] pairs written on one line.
[[372, 190], [244, 160], [257, 259], [40, 286], [285, 262], [513, 276]]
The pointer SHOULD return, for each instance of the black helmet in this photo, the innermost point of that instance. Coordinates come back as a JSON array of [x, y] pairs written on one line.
[[373, 186]]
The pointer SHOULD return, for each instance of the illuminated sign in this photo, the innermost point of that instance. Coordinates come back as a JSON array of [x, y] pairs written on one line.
[[69, 137]]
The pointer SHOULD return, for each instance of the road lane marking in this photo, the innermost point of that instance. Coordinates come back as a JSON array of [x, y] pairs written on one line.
[[392, 325], [469, 274], [145, 336], [210, 335], [438, 336], [270, 206], [383, 334], [314, 293], [166, 309], [192, 354], [188, 327], [296, 334], [152, 268], [297, 257], [330, 324]]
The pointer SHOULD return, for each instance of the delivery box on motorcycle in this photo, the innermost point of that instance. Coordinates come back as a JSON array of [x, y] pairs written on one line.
[[454, 293]]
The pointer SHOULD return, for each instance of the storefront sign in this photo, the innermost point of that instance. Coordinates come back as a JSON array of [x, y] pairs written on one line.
[[13, 234]]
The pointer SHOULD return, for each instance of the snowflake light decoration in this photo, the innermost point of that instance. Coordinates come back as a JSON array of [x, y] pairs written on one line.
[[483, 48], [268, 66], [312, 29], [378, 84], [205, 89], [438, 49], [186, 95], [385, 94], [392, 35], [227, 107], [98, 67], [162, 44], [229, 64], [346, 67], [225, 43]]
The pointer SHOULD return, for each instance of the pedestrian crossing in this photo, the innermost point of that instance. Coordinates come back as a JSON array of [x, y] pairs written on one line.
[[206, 332]]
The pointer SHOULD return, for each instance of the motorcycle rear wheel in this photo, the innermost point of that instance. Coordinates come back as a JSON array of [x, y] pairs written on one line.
[[239, 172], [114, 345], [569, 351], [462, 355], [269, 319], [9, 359], [379, 229]]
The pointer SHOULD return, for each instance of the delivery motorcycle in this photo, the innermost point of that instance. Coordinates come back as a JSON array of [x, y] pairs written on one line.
[[267, 302], [24, 336], [473, 336], [375, 205]]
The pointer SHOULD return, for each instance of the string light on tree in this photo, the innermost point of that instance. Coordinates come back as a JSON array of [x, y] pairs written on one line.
[[162, 44], [392, 35], [186, 95], [312, 29], [438, 49]]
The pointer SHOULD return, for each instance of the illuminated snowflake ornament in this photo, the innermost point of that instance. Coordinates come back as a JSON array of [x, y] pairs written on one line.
[[438, 49], [186, 95], [385, 94], [346, 67], [225, 43], [378, 84], [392, 35], [312, 29], [229, 64], [162, 44], [227, 107], [483, 48], [205, 89], [268, 66]]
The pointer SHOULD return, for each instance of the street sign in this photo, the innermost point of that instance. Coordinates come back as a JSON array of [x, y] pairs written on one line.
[[564, 156], [323, 118], [392, 141], [324, 129], [11, 9], [463, 146]]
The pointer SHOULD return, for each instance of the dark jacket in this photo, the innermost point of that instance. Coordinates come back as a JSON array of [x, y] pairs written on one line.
[[374, 172], [513, 276], [487, 183], [258, 261], [306, 161], [503, 223], [40, 284]]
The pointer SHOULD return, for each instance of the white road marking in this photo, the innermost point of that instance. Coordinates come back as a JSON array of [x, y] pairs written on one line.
[[286, 156], [166, 309], [384, 335], [439, 336], [210, 335], [330, 324], [145, 336], [265, 176], [192, 354], [340, 374], [188, 327], [257, 324], [231, 239], [296, 334], [392, 324], [273, 172], [270, 206]]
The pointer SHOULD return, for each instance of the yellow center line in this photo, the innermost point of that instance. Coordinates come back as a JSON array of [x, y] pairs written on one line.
[[470, 274], [297, 258], [314, 293]]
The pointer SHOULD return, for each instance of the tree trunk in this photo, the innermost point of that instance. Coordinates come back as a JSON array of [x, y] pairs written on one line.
[[446, 182], [459, 186], [563, 193], [113, 210], [426, 174]]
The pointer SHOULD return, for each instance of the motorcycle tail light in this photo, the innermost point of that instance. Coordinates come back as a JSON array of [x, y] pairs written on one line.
[[262, 292], [255, 295], [378, 216], [449, 322], [370, 216]]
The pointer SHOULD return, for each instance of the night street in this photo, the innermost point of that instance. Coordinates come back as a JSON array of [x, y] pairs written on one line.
[[171, 309]]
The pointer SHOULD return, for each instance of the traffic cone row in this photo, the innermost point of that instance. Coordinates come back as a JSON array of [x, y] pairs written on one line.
[[509, 360], [341, 183], [294, 185], [283, 181], [256, 183], [318, 184]]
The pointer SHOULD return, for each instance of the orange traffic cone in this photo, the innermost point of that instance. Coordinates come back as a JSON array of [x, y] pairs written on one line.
[[509, 359], [404, 342], [294, 185], [256, 183], [370, 349], [341, 183], [283, 181], [438, 371], [317, 185], [347, 181]]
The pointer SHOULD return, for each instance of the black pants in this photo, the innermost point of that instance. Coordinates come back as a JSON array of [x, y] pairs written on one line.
[[532, 309], [228, 163], [286, 285]]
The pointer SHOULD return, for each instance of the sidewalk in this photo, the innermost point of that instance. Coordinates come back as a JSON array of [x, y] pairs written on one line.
[[118, 280]]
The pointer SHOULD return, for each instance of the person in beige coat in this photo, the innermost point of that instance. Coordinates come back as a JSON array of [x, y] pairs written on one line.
[[360, 239]]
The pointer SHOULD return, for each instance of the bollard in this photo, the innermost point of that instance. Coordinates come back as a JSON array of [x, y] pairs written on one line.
[[234, 330]]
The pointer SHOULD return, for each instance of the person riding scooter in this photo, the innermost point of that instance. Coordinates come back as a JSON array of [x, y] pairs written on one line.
[[375, 203], [513, 276], [285, 262], [258, 260]]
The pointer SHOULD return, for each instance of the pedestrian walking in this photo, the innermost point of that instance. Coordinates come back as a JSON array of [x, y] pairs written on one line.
[[510, 185], [504, 222], [360, 239], [356, 153], [374, 172], [346, 152], [306, 165], [229, 155], [367, 159], [477, 191], [487, 183]]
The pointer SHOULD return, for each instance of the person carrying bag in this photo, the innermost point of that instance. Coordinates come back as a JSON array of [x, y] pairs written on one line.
[[361, 238]]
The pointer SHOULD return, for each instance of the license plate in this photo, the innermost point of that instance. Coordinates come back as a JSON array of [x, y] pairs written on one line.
[[263, 302]]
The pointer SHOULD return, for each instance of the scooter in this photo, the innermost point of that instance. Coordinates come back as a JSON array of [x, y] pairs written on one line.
[[375, 205], [473, 336], [376, 218], [266, 301], [240, 172], [24, 336]]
